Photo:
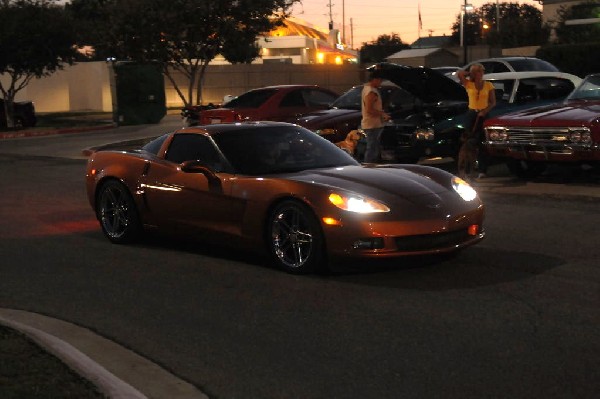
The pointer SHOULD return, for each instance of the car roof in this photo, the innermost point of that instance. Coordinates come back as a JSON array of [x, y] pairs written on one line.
[[289, 86], [505, 58], [226, 127], [532, 74]]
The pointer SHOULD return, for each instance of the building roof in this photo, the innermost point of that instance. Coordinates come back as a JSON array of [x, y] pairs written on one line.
[[431, 42], [410, 53]]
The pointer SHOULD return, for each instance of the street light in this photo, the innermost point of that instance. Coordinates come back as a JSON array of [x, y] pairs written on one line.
[[463, 10]]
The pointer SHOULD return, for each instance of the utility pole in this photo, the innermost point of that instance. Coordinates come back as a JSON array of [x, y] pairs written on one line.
[[497, 17], [331, 15], [344, 21]]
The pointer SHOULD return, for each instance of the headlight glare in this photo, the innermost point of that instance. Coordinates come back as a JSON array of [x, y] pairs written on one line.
[[425, 134], [463, 189], [325, 132], [357, 204]]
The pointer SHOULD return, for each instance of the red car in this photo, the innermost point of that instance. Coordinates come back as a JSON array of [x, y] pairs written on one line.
[[272, 103], [567, 132], [283, 190]]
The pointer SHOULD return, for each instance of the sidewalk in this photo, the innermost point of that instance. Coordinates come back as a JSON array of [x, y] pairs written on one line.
[[115, 371]]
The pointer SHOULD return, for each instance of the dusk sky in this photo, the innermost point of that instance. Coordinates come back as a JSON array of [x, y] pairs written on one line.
[[372, 18]]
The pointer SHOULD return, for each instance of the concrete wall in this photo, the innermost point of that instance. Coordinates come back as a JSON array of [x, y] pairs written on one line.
[[86, 87]]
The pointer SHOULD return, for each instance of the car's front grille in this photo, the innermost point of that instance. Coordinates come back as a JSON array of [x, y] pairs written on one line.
[[522, 135], [432, 241]]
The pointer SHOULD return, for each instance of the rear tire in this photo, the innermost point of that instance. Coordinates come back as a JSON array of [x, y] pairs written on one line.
[[294, 238], [117, 213]]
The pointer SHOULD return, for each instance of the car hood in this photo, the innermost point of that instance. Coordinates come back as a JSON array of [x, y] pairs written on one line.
[[417, 184], [425, 83], [569, 113], [325, 115]]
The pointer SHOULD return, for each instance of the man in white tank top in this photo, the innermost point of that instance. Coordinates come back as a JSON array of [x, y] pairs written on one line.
[[373, 116]]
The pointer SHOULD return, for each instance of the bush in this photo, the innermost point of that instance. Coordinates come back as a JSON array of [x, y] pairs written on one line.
[[577, 59]]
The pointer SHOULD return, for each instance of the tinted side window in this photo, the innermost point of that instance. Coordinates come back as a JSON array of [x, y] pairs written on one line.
[[251, 99], [495, 67], [155, 145], [532, 64], [293, 99], [318, 98], [536, 89], [551, 88], [191, 147], [350, 99], [504, 89]]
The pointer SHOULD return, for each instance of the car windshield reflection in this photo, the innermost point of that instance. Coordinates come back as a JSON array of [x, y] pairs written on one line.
[[588, 90], [279, 149]]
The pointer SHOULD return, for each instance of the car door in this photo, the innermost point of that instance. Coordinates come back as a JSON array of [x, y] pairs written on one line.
[[184, 201]]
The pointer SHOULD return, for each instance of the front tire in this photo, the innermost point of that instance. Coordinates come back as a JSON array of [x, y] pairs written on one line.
[[117, 213], [294, 238]]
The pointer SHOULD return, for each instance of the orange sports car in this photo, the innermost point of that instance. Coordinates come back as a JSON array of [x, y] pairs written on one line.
[[280, 188]]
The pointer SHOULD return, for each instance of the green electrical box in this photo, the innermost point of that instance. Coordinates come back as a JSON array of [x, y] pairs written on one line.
[[138, 93]]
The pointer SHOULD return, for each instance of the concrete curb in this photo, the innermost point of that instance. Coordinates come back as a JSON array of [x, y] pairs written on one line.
[[50, 132], [116, 371]]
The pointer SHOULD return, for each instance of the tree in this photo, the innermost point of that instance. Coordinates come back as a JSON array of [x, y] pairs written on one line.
[[576, 34], [382, 47], [36, 39], [181, 35], [520, 25]]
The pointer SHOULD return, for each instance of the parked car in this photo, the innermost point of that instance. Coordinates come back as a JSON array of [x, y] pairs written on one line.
[[513, 64], [446, 70], [23, 113], [567, 132], [273, 103], [280, 189], [514, 91], [415, 98]]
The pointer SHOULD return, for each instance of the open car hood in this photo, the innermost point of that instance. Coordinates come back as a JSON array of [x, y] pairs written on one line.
[[424, 83]]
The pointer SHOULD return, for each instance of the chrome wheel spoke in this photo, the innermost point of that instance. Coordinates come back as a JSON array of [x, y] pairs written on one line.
[[292, 238]]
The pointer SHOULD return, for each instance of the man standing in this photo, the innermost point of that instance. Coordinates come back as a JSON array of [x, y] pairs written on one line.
[[373, 116]]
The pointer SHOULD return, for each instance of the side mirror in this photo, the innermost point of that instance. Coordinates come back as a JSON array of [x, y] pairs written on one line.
[[195, 166]]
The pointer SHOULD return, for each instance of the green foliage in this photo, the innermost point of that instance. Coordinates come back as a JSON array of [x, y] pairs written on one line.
[[567, 34], [382, 47], [572, 58], [36, 39], [520, 25], [182, 35]]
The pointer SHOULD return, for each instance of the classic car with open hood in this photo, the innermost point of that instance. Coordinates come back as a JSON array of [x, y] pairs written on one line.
[[415, 97]]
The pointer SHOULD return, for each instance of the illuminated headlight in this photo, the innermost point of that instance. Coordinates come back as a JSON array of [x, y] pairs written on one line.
[[463, 189], [495, 133], [325, 132], [357, 204], [580, 135], [425, 134]]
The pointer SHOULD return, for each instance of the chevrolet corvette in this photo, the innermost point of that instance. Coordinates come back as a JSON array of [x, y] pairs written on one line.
[[283, 190]]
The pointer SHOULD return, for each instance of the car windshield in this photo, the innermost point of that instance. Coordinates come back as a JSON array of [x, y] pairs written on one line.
[[532, 64], [251, 99], [589, 89], [352, 98], [279, 149]]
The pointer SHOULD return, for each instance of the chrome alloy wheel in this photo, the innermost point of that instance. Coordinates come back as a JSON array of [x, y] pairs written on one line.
[[295, 237], [117, 213]]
